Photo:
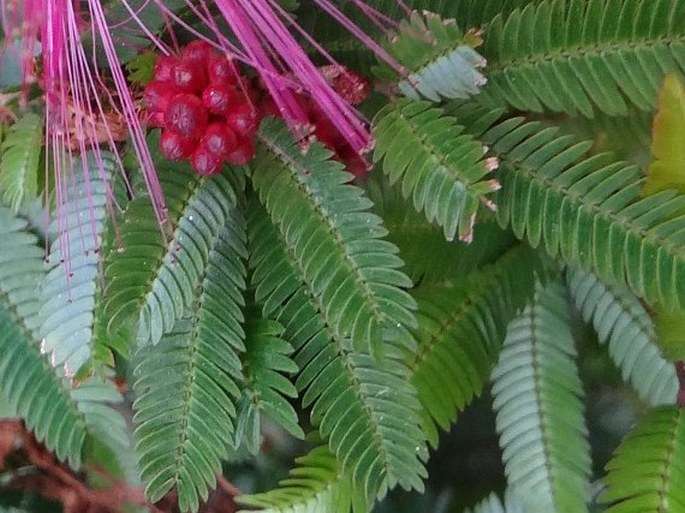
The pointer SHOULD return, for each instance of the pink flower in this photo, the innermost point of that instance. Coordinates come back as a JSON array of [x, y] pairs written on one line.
[[82, 113], [270, 47]]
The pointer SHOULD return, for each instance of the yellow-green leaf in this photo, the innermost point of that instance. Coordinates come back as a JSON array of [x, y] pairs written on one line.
[[668, 139]]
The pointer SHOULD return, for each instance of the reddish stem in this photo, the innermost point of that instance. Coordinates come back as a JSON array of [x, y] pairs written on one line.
[[680, 371]]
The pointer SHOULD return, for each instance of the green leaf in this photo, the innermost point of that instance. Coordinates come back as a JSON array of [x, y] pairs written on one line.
[[623, 324], [265, 388], [439, 58], [461, 328], [587, 209], [60, 417], [668, 142], [68, 291], [538, 399], [37, 395], [417, 238], [150, 281], [366, 407], [316, 485], [141, 69], [438, 166], [582, 56], [187, 385], [19, 159], [336, 242], [646, 473]]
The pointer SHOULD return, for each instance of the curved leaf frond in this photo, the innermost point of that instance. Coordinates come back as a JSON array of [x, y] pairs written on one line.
[[187, 385], [587, 208], [622, 323], [438, 56], [538, 399], [68, 291], [336, 242], [150, 281], [438, 166], [647, 472], [316, 485], [410, 231], [265, 388], [37, 395], [578, 56], [19, 161], [59, 416], [365, 407], [461, 328]]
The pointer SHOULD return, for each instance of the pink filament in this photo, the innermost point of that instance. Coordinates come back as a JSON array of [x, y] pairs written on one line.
[[72, 108], [129, 111], [257, 25], [357, 32]]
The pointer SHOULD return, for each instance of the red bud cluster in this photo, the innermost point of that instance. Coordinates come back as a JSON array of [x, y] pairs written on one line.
[[199, 100]]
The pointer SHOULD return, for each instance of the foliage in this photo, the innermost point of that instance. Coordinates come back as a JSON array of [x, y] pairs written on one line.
[[586, 209], [375, 402], [265, 388], [439, 59], [187, 385], [538, 399], [316, 485], [461, 330], [69, 288], [574, 55], [19, 161], [438, 167], [646, 472], [626, 327], [59, 416], [351, 271], [507, 254]]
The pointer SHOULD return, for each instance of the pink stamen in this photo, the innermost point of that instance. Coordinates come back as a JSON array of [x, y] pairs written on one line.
[[379, 19], [124, 22], [357, 32], [152, 37], [129, 111]]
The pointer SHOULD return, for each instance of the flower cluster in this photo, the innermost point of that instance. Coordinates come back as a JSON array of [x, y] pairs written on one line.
[[209, 113], [202, 104]]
